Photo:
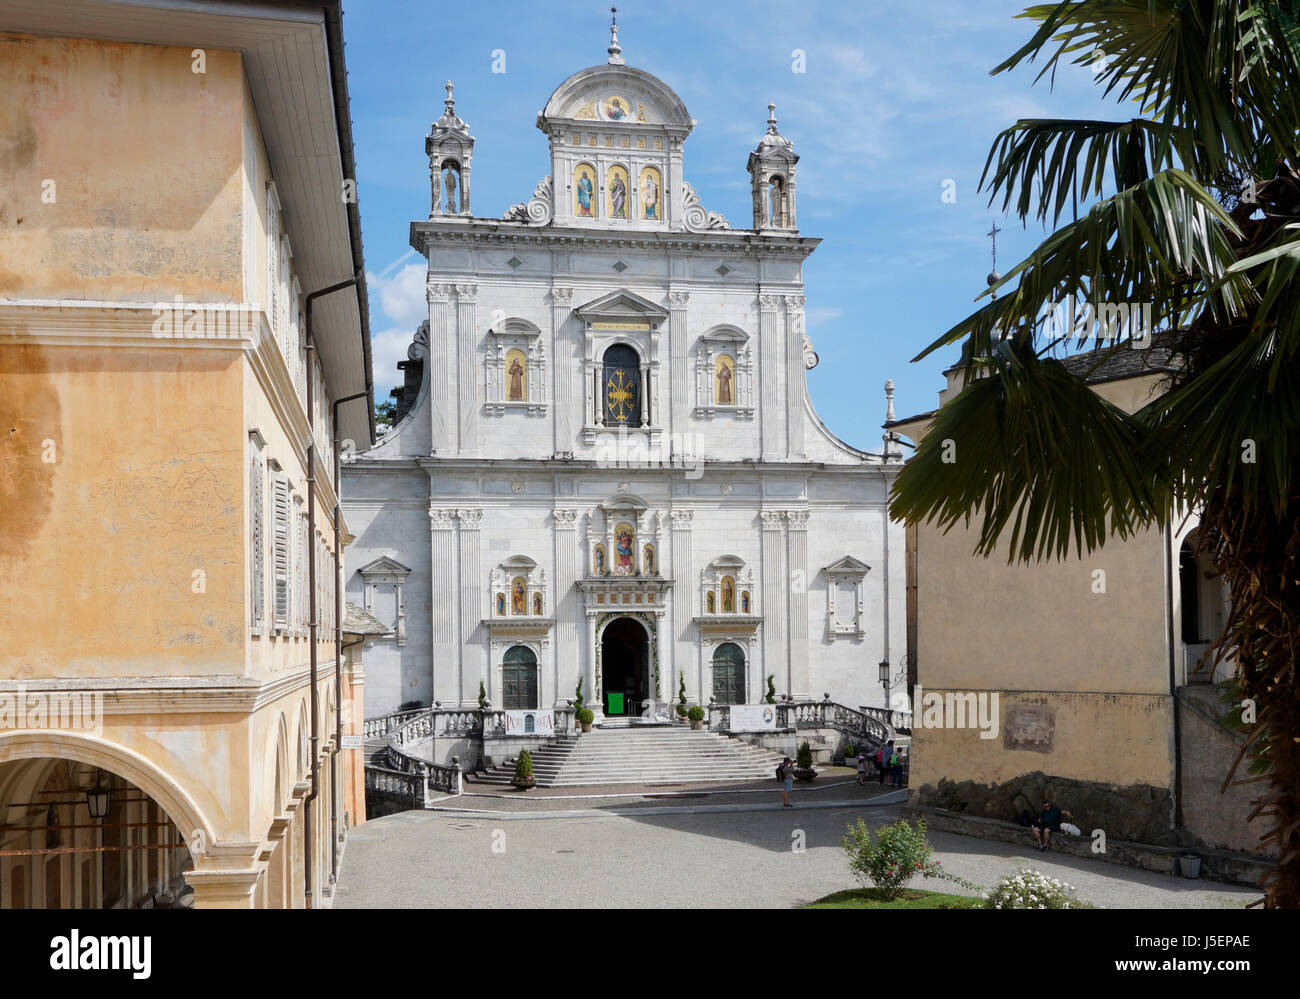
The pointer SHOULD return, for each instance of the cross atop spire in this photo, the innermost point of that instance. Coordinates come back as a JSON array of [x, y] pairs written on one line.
[[615, 50], [771, 119], [994, 277]]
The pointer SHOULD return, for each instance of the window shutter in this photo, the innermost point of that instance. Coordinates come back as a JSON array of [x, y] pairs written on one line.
[[304, 601], [282, 554], [285, 345], [258, 538]]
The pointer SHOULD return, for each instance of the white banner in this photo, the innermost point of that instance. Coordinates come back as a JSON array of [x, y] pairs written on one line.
[[530, 722], [753, 717]]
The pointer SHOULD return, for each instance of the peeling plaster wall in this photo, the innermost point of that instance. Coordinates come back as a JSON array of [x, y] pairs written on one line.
[[144, 155], [98, 547]]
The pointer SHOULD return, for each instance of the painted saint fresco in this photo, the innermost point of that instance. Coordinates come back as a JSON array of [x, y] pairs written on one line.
[[616, 185], [584, 190], [516, 376], [651, 192], [518, 596], [744, 602], [724, 379], [624, 553], [710, 603], [501, 605], [537, 604], [728, 595]]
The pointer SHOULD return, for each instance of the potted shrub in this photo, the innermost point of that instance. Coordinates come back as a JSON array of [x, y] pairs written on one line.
[[585, 717], [696, 715], [803, 769], [523, 778]]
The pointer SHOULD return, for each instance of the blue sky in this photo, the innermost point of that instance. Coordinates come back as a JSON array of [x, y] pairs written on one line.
[[895, 100]]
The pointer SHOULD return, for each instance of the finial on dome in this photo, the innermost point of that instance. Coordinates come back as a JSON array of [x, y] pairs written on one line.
[[771, 119], [994, 277], [615, 50]]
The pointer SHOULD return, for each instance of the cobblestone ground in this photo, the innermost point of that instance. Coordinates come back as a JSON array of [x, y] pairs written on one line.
[[728, 854]]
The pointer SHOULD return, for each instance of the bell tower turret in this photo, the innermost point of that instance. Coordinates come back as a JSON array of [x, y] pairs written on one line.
[[450, 148], [771, 170]]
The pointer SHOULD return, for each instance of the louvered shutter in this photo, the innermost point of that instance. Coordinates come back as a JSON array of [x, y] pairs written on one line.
[[272, 259], [282, 554], [258, 533]]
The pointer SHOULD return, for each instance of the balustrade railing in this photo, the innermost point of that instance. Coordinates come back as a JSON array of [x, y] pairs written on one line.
[[870, 726], [377, 728]]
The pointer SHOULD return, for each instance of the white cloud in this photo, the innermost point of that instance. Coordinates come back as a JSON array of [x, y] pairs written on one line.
[[401, 297], [386, 349], [822, 314]]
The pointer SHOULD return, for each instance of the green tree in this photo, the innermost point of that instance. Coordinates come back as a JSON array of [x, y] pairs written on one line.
[[386, 412], [1195, 210]]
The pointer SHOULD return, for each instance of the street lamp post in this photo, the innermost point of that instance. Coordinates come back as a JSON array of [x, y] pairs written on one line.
[[884, 682]]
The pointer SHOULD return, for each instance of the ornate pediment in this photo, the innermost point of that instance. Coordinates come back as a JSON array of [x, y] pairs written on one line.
[[848, 567], [384, 566], [621, 306]]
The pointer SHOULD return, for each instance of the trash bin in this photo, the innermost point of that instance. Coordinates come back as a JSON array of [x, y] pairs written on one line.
[[1191, 865]]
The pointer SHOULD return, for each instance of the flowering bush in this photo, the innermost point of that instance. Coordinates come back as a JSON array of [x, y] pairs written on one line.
[[1028, 889], [897, 854]]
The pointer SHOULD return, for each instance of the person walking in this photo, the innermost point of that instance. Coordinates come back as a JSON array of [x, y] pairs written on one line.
[[895, 769], [882, 758], [862, 767], [787, 781]]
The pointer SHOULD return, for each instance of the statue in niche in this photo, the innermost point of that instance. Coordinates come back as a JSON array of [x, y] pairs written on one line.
[[649, 560], [744, 602], [774, 201], [537, 604], [449, 184], [599, 560], [709, 602]]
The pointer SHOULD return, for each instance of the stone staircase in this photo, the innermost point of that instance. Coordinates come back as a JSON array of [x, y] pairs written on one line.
[[660, 755]]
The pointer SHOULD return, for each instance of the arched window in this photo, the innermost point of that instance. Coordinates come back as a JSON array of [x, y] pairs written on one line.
[[729, 674], [622, 386], [519, 679]]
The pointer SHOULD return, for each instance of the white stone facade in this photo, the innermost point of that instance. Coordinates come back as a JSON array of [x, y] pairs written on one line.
[[613, 468]]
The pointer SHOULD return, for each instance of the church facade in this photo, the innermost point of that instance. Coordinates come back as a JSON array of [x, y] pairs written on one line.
[[608, 466]]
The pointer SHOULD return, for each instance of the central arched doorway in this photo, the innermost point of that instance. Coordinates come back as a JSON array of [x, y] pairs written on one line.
[[625, 668]]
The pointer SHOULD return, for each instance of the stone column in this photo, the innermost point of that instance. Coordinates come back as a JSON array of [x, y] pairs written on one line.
[[678, 358], [467, 366], [472, 655], [443, 597], [566, 364], [441, 352], [797, 561], [796, 375], [681, 609], [771, 354], [565, 605], [775, 654]]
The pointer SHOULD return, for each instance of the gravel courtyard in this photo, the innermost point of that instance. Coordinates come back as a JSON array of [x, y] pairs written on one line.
[[667, 855]]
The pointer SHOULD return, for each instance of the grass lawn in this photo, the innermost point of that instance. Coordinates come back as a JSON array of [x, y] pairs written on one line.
[[910, 898]]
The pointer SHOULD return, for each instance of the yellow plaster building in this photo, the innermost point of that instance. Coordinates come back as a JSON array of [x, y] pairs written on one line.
[[1090, 669], [174, 184]]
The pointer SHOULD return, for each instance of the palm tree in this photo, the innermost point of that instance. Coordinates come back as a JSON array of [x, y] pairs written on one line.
[[1195, 210]]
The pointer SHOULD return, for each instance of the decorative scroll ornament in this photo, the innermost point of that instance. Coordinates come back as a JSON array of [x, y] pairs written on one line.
[[419, 346], [537, 210], [810, 358], [696, 218]]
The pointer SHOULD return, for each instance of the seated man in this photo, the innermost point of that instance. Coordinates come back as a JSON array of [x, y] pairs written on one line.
[[1048, 819]]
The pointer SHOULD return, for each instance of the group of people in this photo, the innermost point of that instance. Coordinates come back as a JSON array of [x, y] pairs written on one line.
[[888, 761]]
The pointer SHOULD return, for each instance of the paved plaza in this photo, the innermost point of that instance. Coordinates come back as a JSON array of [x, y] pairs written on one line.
[[731, 850]]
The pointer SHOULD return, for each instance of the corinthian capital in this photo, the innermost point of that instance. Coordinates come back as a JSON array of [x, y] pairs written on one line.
[[438, 293], [565, 518], [561, 296], [469, 518], [467, 292], [773, 520], [682, 519], [441, 519]]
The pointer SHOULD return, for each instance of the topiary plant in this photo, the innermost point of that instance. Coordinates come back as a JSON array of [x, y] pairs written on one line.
[[577, 694], [681, 710], [771, 688], [696, 713], [681, 689], [482, 695], [523, 770], [804, 762]]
